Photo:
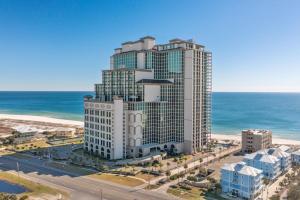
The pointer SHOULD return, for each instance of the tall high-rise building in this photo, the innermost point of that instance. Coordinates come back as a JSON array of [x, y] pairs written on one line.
[[153, 97]]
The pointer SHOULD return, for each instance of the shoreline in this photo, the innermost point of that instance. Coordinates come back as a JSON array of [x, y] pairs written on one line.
[[236, 137], [41, 119]]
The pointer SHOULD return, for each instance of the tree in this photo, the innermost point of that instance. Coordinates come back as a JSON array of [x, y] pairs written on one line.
[[185, 159], [185, 167], [275, 197], [218, 187], [126, 166], [294, 193], [148, 164], [168, 165], [160, 165], [168, 173], [266, 181], [133, 168], [155, 165], [281, 184], [8, 196]]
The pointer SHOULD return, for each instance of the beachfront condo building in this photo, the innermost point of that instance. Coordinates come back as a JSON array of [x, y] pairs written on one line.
[[154, 97], [270, 165], [255, 140], [240, 180]]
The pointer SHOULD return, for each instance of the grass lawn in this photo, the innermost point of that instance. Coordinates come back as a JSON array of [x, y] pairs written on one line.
[[145, 176], [70, 168], [214, 196], [151, 187], [193, 194], [81, 152], [34, 189], [31, 145], [122, 180], [20, 155], [59, 142]]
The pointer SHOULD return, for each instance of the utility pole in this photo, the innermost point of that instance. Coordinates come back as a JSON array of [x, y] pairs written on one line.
[[100, 194], [18, 169]]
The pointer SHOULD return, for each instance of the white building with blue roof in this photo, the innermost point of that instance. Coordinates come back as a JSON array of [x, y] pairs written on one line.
[[240, 180]]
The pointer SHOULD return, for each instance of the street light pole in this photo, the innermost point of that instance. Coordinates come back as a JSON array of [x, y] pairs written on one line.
[[18, 169], [100, 194]]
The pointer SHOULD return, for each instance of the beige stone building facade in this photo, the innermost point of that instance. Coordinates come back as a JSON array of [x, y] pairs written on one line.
[[254, 140]]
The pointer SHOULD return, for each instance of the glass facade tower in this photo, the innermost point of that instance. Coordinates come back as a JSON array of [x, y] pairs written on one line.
[[164, 92]]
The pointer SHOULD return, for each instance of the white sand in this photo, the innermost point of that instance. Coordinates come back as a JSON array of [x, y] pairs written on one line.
[[275, 140], [41, 119], [79, 123]]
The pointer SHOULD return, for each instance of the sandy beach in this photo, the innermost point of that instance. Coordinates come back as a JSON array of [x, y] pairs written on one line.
[[275, 139], [41, 119]]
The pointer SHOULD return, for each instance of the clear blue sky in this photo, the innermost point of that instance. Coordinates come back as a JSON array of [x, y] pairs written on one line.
[[63, 44]]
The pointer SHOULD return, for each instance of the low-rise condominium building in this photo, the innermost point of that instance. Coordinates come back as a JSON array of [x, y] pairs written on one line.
[[255, 140], [241, 180]]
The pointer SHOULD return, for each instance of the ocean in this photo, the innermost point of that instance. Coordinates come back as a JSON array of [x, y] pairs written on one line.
[[231, 113]]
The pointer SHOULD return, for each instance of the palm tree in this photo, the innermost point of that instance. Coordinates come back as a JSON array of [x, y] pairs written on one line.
[[185, 167], [160, 165], [266, 181], [125, 166], [168, 165], [155, 165], [200, 160], [168, 173]]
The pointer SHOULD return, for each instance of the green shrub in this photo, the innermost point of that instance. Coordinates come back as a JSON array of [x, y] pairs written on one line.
[[24, 197], [173, 177], [191, 178]]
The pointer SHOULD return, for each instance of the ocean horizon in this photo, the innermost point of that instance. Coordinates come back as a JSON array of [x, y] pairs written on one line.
[[231, 111]]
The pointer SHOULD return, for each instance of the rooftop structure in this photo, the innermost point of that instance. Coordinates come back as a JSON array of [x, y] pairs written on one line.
[[285, 148]]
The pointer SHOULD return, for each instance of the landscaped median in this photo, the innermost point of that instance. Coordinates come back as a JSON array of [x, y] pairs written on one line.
[[34, 189], [70, 168], [119, 179]]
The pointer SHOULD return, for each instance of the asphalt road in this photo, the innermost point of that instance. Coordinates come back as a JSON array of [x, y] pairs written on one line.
[[80, 188]]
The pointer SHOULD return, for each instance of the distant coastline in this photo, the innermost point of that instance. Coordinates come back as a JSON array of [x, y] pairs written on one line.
[[231, 111], [41, 119], [236, 137]]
